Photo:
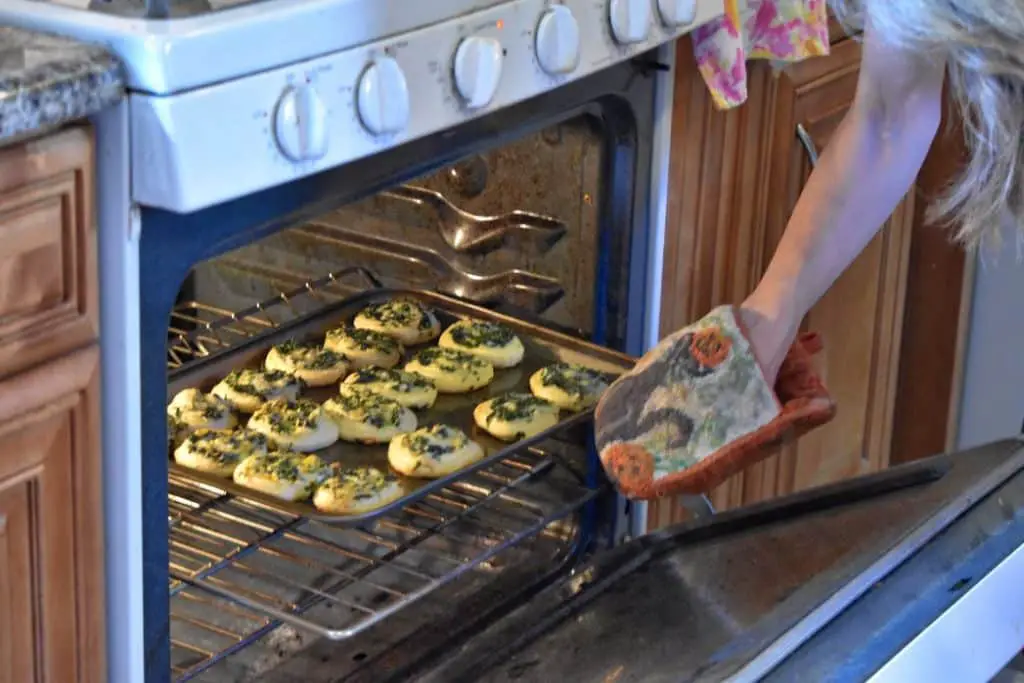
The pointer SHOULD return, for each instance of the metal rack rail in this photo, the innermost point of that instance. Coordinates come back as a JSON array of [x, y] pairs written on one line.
[[239, 569]]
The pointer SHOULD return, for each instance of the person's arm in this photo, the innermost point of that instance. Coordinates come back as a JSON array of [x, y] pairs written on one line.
[[867, 167]]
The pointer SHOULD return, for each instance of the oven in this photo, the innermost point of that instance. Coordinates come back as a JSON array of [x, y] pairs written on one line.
[[494, 158], [536, 215], [501, 159]]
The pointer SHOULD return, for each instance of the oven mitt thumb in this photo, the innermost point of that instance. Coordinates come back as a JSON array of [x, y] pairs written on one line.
[[697, 409]]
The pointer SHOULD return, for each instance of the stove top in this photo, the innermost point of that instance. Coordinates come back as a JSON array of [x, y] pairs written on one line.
[[172, 9], [175, 46]]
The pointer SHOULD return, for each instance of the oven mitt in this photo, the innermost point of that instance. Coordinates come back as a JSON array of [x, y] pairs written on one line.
[[697, 409]]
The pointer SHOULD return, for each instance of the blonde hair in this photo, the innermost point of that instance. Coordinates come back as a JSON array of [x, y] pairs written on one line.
[[982, 43]]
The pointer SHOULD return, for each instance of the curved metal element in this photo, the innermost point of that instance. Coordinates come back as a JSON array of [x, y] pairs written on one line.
[[471, 234], [530, 290], [808, 144]]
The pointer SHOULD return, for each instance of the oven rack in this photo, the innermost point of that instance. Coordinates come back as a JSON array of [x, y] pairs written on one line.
[[240, 569], [198, 329]]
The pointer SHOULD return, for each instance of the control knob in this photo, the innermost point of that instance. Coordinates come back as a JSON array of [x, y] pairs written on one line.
[[677, 12], [300, 124], [630, 20], [382, 97], [557, 41], [477, 70]]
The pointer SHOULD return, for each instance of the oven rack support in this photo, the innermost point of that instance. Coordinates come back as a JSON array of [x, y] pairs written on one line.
[[239, 569]]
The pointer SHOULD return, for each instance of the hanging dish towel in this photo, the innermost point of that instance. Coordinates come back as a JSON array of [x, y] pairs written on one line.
[[784, 30]]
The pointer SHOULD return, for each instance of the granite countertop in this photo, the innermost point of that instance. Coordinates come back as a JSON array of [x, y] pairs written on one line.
[[46, 81]]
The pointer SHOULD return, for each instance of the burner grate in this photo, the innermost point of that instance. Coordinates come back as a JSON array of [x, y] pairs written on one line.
[[239, 569]]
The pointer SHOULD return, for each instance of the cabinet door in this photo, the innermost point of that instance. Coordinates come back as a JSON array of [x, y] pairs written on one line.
[[735, 178], [860, 318], [51, 546], [48, 287]]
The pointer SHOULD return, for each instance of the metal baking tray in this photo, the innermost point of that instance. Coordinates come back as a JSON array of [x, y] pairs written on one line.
[[543, 346]]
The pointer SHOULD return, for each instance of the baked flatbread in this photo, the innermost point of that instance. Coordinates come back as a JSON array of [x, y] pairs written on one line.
[[406, 320], [451, 371], [315, 366], [192, 409], [282, 474], [515, 416], [411, 390], [356, 490], [368, 418], [298, 424], [568, 386], [490, 341], [246, 390], [433, 452], [219, 451], [365, 348]]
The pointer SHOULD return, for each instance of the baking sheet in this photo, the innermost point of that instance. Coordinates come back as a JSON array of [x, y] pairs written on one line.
[[543, 347]]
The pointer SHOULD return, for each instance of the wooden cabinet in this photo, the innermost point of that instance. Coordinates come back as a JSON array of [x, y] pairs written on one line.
[[51, 542], [48, 288], [735, 177]]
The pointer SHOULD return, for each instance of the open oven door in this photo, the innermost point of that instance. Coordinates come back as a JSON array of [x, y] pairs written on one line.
[[912, 574]]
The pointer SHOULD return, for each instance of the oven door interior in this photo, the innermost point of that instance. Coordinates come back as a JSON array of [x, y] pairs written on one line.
[[538, 212], [883, 575]]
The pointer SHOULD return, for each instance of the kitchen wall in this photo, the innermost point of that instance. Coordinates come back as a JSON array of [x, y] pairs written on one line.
[[992, 404]]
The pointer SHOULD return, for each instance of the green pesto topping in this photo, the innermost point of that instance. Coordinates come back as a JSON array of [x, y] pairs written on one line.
[[397, 380], [436, 441], [476, 333], [400, 313], [286, 466], [449, 360], [367, 407], [364, 340], [575, 380], [365, 481], [261, 383], [310, 357], [208, 406], [289, 416], [515, 406], [226, 447]]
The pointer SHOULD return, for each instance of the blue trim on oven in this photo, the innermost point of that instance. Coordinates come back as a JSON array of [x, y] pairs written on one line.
[[171, 244]]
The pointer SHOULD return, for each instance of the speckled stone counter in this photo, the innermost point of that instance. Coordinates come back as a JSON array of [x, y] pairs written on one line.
[[46, 81]]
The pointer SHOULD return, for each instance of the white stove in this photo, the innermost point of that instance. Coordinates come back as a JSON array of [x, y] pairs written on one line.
[[228, 97], [311, 84]]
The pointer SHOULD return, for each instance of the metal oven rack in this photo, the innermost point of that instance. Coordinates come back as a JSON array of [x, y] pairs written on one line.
[[239, 569]]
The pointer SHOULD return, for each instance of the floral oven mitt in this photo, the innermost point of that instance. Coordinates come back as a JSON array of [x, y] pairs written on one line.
[[697, 409]]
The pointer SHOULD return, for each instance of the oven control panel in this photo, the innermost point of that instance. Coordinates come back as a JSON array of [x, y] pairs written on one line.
[[298, 120]]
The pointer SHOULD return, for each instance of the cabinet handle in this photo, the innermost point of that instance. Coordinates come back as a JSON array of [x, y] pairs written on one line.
[[808, 143], [3, 523]]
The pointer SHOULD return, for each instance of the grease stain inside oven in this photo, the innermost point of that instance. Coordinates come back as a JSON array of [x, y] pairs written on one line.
[[521, 190]]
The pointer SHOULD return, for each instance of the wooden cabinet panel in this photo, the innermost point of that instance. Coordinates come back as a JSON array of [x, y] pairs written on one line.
[[47, 249], [51, 545], [860, 317], [735, 177]]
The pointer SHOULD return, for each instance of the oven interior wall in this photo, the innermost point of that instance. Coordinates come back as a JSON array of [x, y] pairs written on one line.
[[517, 225]]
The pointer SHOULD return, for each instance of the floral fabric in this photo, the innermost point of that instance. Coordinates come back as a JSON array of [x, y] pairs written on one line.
[[697, 409], [785, 30], [695, 392]]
